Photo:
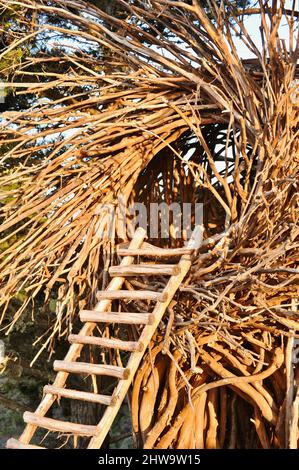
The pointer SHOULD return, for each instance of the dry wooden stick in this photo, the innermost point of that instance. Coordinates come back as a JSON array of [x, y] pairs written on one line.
[[167, 414]]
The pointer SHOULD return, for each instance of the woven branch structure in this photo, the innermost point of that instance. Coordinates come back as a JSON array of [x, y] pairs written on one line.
[[157, 106]]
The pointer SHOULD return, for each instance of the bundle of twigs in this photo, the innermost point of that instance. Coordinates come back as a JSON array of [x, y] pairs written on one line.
[[171, 117]]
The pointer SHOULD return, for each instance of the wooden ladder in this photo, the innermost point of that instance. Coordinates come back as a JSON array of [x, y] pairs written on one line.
[[100, 314]]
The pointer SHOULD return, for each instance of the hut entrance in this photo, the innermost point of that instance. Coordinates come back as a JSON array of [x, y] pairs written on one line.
[[191, 179]]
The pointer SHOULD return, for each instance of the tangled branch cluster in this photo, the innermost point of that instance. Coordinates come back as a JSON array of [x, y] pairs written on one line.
[[176, 117]]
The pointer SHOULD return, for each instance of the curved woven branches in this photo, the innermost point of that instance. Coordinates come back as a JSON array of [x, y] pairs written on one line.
[[155, 104]]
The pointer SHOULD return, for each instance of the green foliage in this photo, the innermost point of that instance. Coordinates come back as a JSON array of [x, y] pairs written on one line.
[[11, 59]]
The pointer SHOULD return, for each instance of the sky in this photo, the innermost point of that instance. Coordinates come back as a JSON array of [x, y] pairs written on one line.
[[252, 24]]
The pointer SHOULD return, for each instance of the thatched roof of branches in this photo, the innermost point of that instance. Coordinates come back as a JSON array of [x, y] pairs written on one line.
[[157, 105]]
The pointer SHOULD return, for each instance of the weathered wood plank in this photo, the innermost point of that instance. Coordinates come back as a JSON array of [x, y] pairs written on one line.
[[92, 369], [78, 395], [59, 426], [157, 253], [112, 343], [132, 295], [127, 318], [15, 444], [145, 270]]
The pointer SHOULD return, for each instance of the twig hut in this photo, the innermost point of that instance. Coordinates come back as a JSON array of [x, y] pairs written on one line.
[[167, 112]]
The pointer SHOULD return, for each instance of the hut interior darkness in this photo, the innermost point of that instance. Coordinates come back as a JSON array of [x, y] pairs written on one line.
[[156, 105]]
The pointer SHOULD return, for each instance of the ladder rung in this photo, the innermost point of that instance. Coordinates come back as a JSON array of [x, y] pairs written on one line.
[[59, 426], [15, 444], [78, 395], [145, 269], [92, 369], [127, 318], [158, 253], [145, 245], [107, 342], [132, 295]]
